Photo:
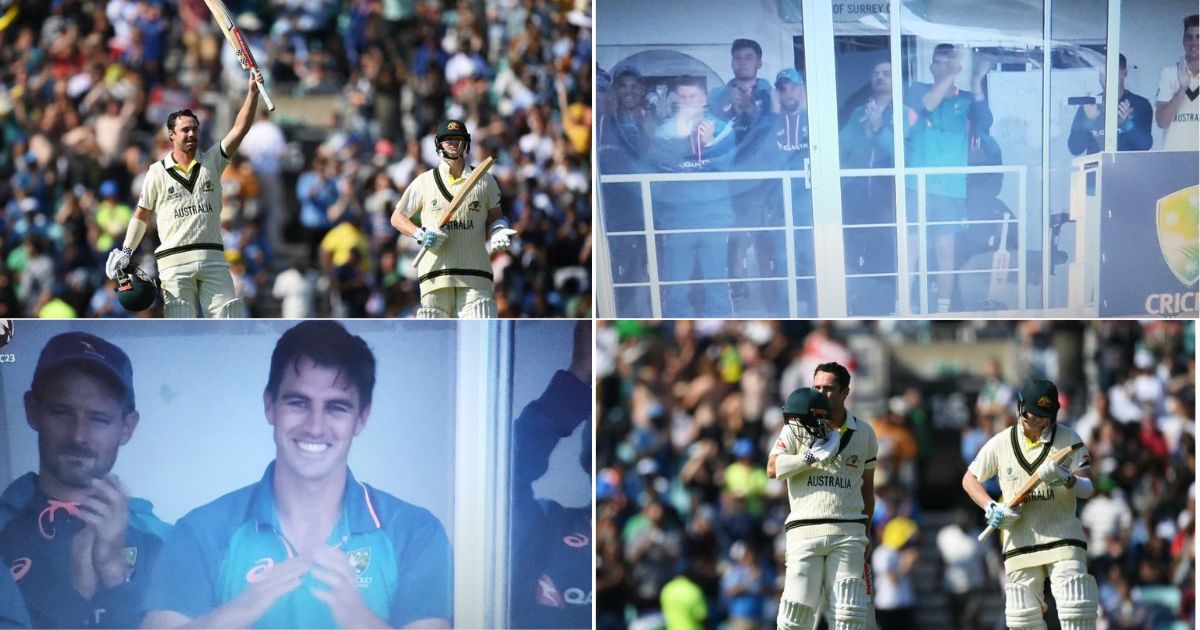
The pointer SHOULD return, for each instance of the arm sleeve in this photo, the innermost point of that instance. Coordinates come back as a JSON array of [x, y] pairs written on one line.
[[218, 158], [984, 466], [1080, 140], [1140, 138], [425, 588], [914, 98], [553, 416], [12, 605], [981, 115], [409, 203], [872, 451], [492, 193], [149, 197], [183, 561], [785, 443]]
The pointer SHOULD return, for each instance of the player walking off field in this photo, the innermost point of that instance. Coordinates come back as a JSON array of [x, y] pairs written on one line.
[[1042, 538], [184, 189], [827, 457], [456, 274]]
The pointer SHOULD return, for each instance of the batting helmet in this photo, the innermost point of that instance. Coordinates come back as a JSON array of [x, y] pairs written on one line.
[[807, 409], [1039, 397], [136, 290], [452, 129]]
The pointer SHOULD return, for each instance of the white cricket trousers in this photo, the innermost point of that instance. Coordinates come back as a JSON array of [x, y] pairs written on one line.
[[457, 302], [206, 285], [815, 566]]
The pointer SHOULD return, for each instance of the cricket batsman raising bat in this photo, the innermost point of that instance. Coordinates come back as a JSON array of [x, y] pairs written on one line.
[[455, 273], [183, 189], [1043, 538]]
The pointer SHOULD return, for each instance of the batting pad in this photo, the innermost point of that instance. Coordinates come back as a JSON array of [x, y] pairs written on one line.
[[1077, 596], [850, 604], [1022, 611], [795, 616]]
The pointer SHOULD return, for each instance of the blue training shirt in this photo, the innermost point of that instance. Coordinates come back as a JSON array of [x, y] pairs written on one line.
[[399, 551], [35, 538], [12, 605]]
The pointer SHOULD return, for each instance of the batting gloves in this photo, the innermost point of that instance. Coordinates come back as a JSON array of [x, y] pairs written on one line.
[[1001, 516], [822, 450], [118, 261], [430, 238], [501, 240], [1053, 474]]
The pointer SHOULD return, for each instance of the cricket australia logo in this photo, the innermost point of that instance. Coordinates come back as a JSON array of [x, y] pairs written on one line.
[[6, 331], [1179, 233], [1045, 401], [474, 206], [1008, 474], [207, 187], [852, 462], [360, 559]]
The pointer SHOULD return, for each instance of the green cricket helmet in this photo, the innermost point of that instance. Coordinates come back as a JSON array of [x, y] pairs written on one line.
[[807, 409], [136, 290]]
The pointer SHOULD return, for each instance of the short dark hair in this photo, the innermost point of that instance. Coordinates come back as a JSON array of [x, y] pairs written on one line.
[[1191, 21], [839, 372], [944, 49], [1122, 61], [328, 344], [694, 81], [740, 43], [628, 72], [175, 115]]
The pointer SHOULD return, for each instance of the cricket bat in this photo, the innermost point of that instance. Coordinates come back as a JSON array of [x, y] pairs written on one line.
[[234, 35], [459, 197], [999, 278], [1031, 484]]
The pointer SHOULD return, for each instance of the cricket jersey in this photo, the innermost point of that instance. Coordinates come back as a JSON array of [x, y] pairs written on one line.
[[826, 497], [940, 137], [779, 143], [1183, 134], [186, 200], [12, 605], [1048, 530], [36, 533], [462, 260], [552, 558], [399, 552]]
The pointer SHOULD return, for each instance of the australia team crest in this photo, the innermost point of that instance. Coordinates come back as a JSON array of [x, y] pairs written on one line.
[[1179, 233]]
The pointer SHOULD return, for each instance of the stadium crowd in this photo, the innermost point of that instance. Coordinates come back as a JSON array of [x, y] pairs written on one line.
[[360, 86], [690, 529]]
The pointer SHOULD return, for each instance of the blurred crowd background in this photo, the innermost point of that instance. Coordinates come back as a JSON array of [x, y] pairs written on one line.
[[359, 85], [690, 530]]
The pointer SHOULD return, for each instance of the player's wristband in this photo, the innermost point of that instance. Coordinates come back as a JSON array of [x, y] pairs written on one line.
[[787, 464], [1082, 487], [497, 225], [134, 233]]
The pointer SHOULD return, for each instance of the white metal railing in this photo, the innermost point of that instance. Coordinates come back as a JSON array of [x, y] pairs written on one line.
[[837, 268]]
